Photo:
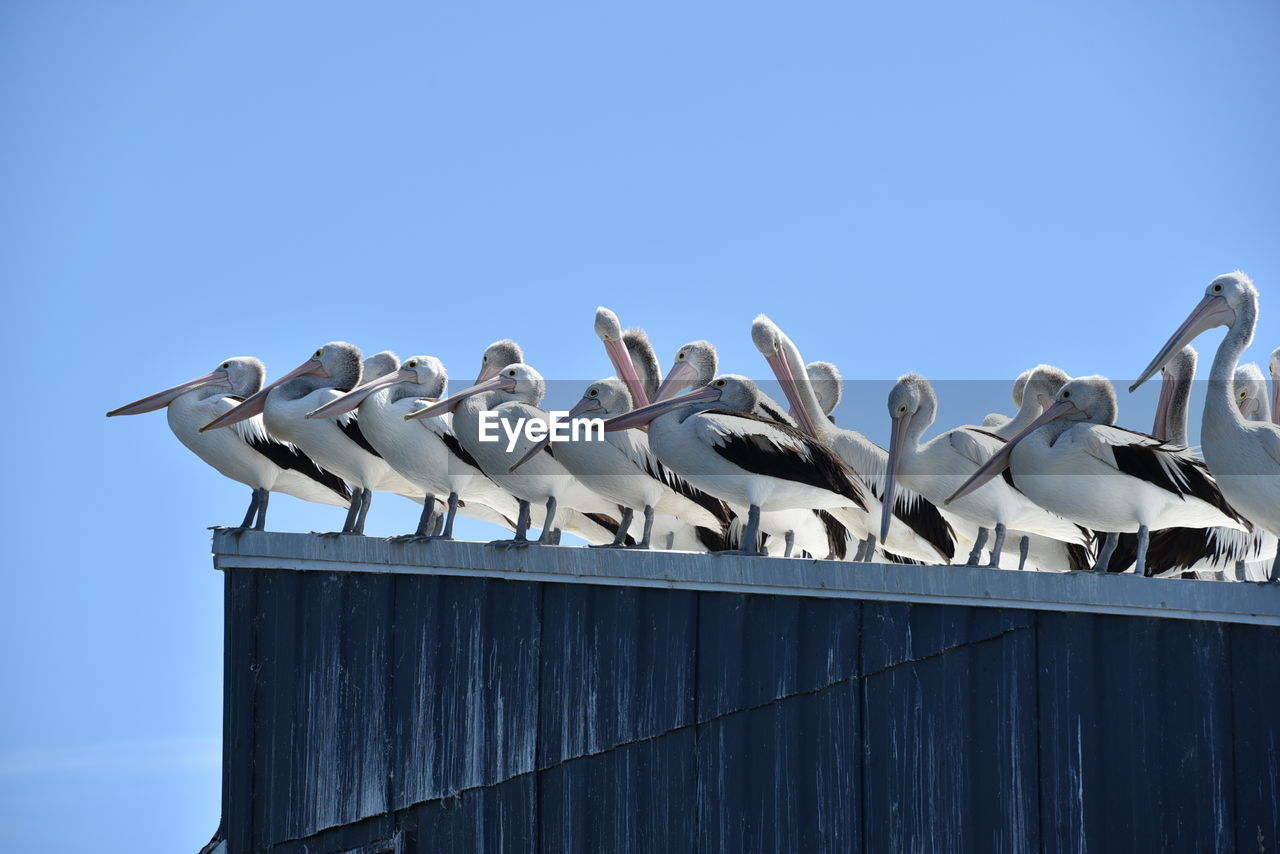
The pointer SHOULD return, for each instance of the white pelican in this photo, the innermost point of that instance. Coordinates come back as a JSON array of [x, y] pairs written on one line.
[[623, 469], [1243, 455], [1175, 392], [338, 444], [1073, 461], [828, 387], [425, 451], [1251, 393], [513, 396], [917, 530], [711, 438], [942, 464], [497, 356], [247, 454]]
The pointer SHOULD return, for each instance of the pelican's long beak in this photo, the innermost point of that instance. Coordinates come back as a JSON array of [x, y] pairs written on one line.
[[1212, 311], [622, 363], [896, 441], [254, 404], [645, 414], [161, 399], [1160, 428], [1250, 407], [1000, 459], [487, 372], [582, 407], [352, 399], [782, 370], [681, 374], [451, 402]]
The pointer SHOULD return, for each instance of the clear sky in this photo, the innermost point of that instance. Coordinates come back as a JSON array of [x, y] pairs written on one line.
[[958, 189]]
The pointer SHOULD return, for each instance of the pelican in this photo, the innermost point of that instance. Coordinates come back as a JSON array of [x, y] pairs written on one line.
[[1243, 455], [711, 438], [248, 454], [623, 469], [916, 530], [425, 452], [816, 532], [1074, 462], [338, 445], [497, 356], [1175, 392], [514, 393], [942, 464], [1034, 392], [828, 387]]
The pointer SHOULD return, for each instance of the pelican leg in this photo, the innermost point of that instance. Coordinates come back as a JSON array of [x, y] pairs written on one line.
[[619, 539], [521, 538], [549, 537], [353, 511], [1108, 549], [648, 532], [253, 511], [997, 545], [1144, 538], [1024, 546], [861, 553], [261, 524], [870, 555], [749, 544], [1240, 571], [790, 542], [978, 545], [366, 498], [425, 522]]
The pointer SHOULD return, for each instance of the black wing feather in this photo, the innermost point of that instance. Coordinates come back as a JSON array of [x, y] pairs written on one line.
[[289, 457], [760, 455], [351, 426]]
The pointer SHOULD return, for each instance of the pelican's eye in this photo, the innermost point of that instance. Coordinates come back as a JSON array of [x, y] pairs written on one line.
[[593, 393], [721, 383], [484, 359], [413, 363], [224, 366], [1066, 393], [902, 408], [511, 373], [317, 354], [680, 356], [1244, 392]]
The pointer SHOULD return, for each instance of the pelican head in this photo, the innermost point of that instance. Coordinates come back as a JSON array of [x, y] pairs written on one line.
[[335, 365], [419, 376], [1228, 298], [603, 398], [1020, 386], [1043, 384], [1250, 392], [827, 384], [515, 382], [694, 365], [497, 356], [608, 327], [239, 375], [379, 365], [727, 391]]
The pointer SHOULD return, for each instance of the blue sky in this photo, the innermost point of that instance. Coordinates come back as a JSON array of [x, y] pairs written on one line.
[[958, 190]]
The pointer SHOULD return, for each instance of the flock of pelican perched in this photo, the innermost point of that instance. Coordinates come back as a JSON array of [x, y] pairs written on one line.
[[701, 461]]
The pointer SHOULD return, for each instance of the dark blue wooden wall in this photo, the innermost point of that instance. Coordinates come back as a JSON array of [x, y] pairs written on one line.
[[461, 714]]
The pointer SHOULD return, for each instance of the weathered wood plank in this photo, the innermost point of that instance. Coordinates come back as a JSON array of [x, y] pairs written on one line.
[[783, 777], [238, 707], [951, 761], [636, 797], [1255, 696], [502, 819], [617, 666], [895, 632], [279, 731], [1135, 735], [756, 649]]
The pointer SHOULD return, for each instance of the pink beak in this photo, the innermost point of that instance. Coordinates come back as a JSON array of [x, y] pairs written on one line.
[[254, 404], [896, 440], [161, 399], [1275, 400], [352, 399], [451, 402], [1160, 429], [1212, 311], [1000, 460], [626, 371], [681, 374], [645, 414], [782, 370]]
